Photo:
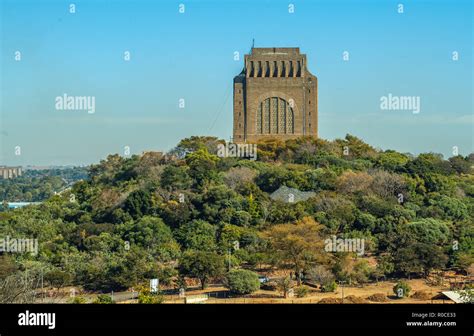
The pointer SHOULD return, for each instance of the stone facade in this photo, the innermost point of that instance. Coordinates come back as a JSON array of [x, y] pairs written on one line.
[[275, 96]]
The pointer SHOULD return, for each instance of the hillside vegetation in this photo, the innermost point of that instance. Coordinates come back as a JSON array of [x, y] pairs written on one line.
[[179, 216]]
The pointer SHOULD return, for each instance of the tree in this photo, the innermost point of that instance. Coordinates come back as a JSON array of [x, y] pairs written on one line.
[[241, 281], [321, 275], [19, 287], [195, 143], [343, 266], [105, 271], [175, 214], [57, 278], [218, 204], [166, 274], [365, 222], [241, 218], [429, 163], [438, 183], [151, 233], [350, 182], [237, 176], [464, 261], [387, 185], [229, 234], [356, 147], [201, 265], [7, 266], [138, 204], [333, 211], [269, 149], [284, 285], [175, 178], [418, 258], [197, 235], [299, 244], [384, 267], [460, 165], [202, 167], [453, 208], [361, 271], [430, 231], [391, 160]]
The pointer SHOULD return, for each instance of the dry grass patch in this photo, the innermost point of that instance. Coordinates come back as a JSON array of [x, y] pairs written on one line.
[[355, 299], [423, 295], [330, 300], [378, 297]]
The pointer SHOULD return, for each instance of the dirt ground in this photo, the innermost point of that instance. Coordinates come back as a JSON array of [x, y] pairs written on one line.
[[218, 294]]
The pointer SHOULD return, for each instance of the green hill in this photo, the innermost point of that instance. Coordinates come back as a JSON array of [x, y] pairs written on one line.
[[179, 214]]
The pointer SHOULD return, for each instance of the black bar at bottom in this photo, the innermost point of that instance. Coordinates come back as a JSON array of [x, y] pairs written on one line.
[[432, 319]]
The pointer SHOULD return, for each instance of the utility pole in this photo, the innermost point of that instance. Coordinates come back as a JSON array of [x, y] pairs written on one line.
[[342, 293], [342, 289]]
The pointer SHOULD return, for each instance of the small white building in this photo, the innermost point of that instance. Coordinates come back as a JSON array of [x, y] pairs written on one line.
[[456, 296]]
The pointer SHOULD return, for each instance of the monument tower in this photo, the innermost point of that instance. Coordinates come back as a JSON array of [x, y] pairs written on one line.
[[275, 96]]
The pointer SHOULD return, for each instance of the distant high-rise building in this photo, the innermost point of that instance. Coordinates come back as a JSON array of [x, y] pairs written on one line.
[[275, 96], [10, 172]]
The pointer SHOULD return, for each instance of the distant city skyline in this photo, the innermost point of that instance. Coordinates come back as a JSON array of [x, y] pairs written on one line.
[[143, 75]]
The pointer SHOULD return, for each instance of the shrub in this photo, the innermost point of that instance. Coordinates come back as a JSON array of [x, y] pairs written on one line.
[[148, 298], [467, 295], [78, 300], [329, 287], [402, 289], [104, 299], [242, 281], [301, 291], [145, 296]]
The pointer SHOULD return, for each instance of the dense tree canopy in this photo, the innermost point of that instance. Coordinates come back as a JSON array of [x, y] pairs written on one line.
[[191, 214]]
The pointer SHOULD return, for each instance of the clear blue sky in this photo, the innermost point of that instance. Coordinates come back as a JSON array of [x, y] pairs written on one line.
[[191, 56]]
